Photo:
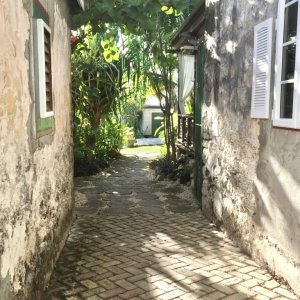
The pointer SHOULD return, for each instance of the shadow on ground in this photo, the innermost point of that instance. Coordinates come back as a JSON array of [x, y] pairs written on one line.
[[135, 238]]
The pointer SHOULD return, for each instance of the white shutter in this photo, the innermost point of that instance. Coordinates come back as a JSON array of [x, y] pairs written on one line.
[[262, 69], [43, 68]]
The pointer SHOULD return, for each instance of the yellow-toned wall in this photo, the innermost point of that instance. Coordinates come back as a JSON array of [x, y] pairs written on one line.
[[35, 172]]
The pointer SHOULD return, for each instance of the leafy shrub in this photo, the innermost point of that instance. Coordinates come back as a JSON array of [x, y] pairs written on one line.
[[168, 168], [128, 135], [93, 149]]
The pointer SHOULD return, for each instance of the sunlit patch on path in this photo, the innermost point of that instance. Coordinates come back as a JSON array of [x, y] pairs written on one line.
[[135, 238]]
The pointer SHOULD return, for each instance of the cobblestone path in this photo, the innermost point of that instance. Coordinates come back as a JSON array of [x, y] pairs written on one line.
[[135, 238]]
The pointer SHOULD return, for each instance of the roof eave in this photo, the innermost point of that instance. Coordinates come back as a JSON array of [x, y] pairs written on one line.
[[191, 26]]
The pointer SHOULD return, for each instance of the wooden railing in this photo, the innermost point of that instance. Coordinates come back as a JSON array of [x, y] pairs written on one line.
[[185, 136]]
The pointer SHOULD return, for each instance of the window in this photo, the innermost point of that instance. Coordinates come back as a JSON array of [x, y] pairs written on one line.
[[262, 55], [287, 84], [43, 75]]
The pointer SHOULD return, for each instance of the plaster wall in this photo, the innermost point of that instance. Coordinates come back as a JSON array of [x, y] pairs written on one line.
[[251, 170], [35, 173], [147, 120]]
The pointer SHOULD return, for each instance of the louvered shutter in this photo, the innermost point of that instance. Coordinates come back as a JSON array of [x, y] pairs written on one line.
[[48, 74], [42, 45], [262, 69]]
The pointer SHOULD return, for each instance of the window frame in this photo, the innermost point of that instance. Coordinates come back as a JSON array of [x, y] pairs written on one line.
[[40, 27], [294, 122]]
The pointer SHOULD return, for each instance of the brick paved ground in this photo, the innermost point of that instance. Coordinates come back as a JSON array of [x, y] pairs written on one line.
[[135, 238]]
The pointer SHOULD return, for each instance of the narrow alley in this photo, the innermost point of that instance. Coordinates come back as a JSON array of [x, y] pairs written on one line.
[[136, 238]]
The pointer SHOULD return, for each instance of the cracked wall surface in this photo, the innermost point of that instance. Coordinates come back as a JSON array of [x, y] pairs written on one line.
[[251, 169], [35, 172]]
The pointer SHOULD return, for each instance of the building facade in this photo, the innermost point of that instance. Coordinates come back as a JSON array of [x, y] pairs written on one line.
[[251, 133], [248, 137], [152, 116], [36, 164]]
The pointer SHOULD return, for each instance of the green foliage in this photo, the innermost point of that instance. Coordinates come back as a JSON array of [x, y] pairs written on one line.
[[163, 66], [135, 60], [138, 16], [189, 105], [94, 87], [168, 10], [166, 168], [153, 150], [94, 148], [95, 94], [128, 136], [121, 52], [131, 113]]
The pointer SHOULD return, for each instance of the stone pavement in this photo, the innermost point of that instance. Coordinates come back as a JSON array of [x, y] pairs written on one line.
[[135, 238]]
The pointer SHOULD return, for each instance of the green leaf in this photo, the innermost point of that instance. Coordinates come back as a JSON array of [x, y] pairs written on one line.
[[107, 56], [177, 13], [116, 56], [105, 44], [113, 49], [170, 11]]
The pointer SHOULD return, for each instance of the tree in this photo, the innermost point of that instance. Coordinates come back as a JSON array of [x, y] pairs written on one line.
[[104, 75], [163, 66], [94, 80], [138, 16]]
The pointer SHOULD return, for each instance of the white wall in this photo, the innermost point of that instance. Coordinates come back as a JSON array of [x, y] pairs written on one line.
[[147, 120]]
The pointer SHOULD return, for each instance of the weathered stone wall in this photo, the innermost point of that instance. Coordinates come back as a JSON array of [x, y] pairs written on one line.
[[35, 173], [251, 173]]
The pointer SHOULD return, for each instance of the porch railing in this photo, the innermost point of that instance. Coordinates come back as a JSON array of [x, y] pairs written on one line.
[[185, 136]]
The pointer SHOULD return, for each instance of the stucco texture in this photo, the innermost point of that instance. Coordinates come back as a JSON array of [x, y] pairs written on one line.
[[251, 170], [35, 173]]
